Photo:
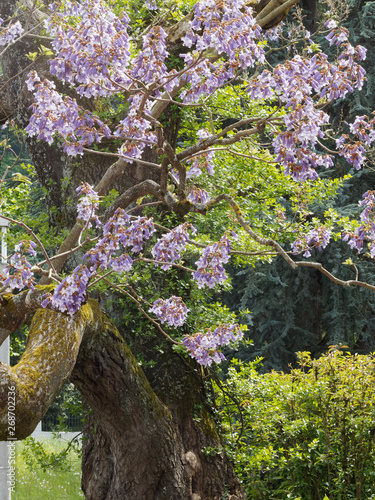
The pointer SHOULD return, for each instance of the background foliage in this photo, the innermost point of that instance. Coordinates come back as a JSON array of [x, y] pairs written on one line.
[[306, 434]]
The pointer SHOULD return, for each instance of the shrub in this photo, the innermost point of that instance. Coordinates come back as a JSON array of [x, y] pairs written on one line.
[[305, 434]]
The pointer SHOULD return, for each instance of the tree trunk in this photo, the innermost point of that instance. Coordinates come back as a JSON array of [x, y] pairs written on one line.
[[135, 446]]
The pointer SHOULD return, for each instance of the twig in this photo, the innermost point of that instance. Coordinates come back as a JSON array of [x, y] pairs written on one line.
[[31, 232], [142, 311]]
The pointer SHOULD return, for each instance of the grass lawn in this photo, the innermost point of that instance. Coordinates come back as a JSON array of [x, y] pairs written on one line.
[[32, 483]]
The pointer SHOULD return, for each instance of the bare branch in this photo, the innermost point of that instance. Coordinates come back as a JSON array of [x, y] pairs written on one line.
[[267, 14]]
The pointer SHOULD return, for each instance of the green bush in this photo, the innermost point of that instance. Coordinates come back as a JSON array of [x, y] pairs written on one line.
[[307, 434]]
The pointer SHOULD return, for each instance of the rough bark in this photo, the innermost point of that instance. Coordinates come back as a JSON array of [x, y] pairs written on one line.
[[136, 446], [45, 366]]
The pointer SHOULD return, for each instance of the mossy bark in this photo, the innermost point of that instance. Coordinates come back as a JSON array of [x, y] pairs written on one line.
[[45, 366]]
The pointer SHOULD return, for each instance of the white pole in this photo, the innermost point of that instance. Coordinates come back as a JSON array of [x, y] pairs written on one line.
[[6, 460]]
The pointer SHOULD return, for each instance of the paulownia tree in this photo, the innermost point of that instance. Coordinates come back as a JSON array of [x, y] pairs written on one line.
[[94, 97]]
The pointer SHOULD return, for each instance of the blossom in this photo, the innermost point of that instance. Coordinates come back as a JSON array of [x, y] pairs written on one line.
[[149, 65], [198, 195], [17, 273], [298, 84], [205, 348], [135, 130], [173, 311], [71, 293], [169, 247], [231, 30], [94, 51], [10, 33], [151, 5], [120, 230], [317, 237], [210, 270], [366, 231], [88, 204], [54, 115], [203, 160]]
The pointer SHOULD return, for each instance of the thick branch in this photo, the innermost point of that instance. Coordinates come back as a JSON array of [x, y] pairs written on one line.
[[48, 361], [142, 189], [14, 310], [220, 140], [274, 9]]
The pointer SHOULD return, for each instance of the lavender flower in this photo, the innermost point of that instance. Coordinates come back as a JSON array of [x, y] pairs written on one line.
[[119, 229], [198, 195], [298, 83], [202, 161], [136, 129], [318, 238], [18, 271], [94, 51], [149, 64], [210, 270], [9, 34], [88, 204], [366, 231], [54, 115], [173, 311], [168, 249], [70, 293], [231, 30], [151, 5], [205, 347]]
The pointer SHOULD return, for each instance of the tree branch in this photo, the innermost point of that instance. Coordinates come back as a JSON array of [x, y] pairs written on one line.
[[271, 11], [46, 364], [272, 243], [14, 309]]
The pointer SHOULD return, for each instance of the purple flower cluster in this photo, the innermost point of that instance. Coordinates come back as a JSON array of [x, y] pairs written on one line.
[[88, 204], [353, 150], [299, 84], [10, 33], [273, 33], [198, 195], [205, 347], [210, 270], [135, 130], [93, 51], [71, 293], [151, 5], [366, 231], [318, 238], [295, 148], [149, 65], [120, 229], [169, 247], [230, 29], [338, 35], [55, 115], [18, 271], [173, 311], [202, 161]]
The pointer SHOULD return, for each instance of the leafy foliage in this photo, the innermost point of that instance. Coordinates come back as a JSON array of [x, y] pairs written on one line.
[[305, 434]]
